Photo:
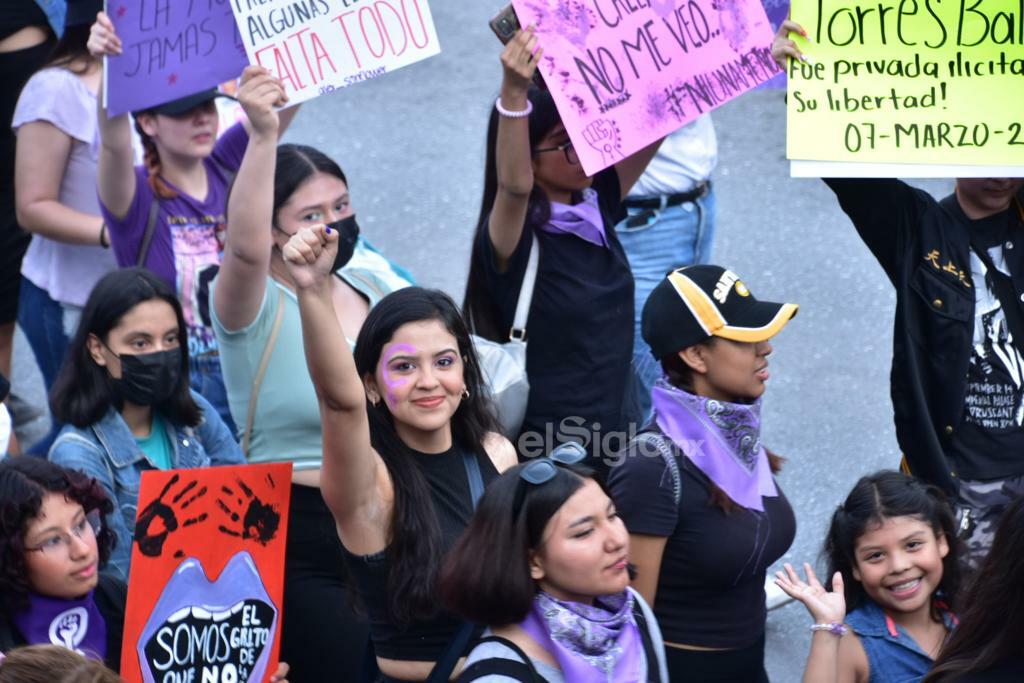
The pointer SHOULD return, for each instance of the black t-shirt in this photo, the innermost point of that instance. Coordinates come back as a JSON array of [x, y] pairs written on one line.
[[580, 326], [990, 440], [711, 583]]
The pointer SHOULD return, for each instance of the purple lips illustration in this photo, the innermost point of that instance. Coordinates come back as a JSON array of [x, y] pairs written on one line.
[[220, 630]]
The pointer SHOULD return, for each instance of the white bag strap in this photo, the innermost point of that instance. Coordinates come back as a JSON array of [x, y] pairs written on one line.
[[518, 330], [254, 393]]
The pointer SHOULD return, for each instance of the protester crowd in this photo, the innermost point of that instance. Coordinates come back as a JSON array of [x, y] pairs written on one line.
[[197, 297]]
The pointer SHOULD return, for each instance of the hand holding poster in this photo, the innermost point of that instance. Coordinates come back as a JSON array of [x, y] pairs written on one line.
[[171, 49], [316, 46], [908, 81], [207, 575], [625, 73]]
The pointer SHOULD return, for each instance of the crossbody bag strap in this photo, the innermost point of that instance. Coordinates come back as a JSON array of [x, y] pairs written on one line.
[[518, 330], [667, 452], [261, 370], [147, 235], [476, 479], [499, 666]]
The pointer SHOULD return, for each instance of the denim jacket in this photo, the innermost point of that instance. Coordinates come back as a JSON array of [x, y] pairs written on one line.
[[893, 656], [108, 452]]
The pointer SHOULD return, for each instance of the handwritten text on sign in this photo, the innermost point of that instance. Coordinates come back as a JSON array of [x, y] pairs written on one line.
[[171, 49], [909, 81], [315, 46], [627, 72]]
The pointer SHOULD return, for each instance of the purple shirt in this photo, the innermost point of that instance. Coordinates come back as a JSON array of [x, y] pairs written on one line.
[[188, 241]]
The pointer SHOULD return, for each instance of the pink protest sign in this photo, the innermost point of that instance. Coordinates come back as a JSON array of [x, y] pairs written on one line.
[[625, 73]]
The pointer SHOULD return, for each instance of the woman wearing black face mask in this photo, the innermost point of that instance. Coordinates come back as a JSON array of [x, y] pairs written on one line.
[[278, 191], [123, 392]]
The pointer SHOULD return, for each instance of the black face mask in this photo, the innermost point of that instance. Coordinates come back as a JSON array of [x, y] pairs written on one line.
[[348, 233], [148, 378]]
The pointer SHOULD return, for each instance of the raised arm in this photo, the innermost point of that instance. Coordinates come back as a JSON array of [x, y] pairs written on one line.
[[632, 167], [512, 148], [349, 477], [39, 162], [116, 173], [241, 282]]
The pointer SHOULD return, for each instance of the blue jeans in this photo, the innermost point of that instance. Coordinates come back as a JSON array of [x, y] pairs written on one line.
[[42, 320], [672, 237], [207, 379]]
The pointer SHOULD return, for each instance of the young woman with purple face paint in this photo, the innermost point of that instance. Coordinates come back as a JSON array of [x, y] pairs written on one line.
[[406, 425]]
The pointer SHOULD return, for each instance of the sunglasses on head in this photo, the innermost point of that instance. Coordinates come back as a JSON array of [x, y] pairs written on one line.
[[543, 470]]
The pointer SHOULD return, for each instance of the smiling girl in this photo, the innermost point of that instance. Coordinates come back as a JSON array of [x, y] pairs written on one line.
[[893, 561], [408, 436]]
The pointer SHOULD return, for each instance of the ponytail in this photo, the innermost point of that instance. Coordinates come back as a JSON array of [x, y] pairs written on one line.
[[151, 159]]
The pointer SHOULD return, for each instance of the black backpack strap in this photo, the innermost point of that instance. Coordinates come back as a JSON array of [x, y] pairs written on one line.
[[523, 671], [147, 236], [655, 439], [653, 674]]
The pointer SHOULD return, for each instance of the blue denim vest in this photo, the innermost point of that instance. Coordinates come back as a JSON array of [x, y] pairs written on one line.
[[55, 11], [893, 656], [108, 452]]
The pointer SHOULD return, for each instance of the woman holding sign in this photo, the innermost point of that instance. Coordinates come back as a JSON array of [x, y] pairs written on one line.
[[169, 213], [410, 439], [536, 196], [278, 191]]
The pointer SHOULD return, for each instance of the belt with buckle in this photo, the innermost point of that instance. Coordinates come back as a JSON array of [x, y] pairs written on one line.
[[670, 200]]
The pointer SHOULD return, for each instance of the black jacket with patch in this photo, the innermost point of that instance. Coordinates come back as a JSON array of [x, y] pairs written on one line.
[[924, 248]]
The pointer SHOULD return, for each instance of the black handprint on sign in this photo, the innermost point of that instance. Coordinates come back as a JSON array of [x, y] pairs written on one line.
[[260, 520], [159, 520]]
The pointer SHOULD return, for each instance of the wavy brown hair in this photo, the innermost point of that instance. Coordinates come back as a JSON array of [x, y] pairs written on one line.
[[24, 482]]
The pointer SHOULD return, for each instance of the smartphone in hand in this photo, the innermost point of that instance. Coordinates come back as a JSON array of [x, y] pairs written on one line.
[[505, 24]]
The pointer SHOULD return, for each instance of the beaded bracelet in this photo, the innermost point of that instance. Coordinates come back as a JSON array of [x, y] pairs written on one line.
[[835, 628], [513, 114]]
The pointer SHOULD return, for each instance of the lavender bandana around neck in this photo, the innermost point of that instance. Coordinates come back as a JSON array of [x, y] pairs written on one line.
[[583, 220], [722, 439], [590, 643], [74, 624]]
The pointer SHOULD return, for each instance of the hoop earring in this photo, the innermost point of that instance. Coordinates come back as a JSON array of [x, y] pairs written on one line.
[[465, 393]]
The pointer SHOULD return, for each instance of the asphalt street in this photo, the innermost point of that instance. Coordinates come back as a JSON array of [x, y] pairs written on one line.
[[411, 144]]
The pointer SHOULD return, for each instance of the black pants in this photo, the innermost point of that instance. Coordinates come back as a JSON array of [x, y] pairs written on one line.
[[745, 665], [321, 638]]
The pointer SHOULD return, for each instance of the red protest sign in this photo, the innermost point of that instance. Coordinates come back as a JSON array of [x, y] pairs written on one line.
[[207, 575]]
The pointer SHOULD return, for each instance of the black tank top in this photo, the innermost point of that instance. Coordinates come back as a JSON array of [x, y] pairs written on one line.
[[449, 491]]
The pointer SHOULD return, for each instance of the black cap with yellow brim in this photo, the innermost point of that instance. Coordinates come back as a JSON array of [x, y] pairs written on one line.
[[697, 302]]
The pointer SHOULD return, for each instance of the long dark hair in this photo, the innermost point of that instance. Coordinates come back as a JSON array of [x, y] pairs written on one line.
[[414, 538], [875, 498], [478, 305], [24, 482], [680, 375], [83, 391], [295, 165], [991, 625], [71, 49], [486, 577]]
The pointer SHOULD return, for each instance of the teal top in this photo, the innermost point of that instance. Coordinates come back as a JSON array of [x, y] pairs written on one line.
[[286, 424], [157, 446]]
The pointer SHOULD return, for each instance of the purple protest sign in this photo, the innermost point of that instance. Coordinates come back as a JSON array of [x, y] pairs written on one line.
[[778, 12], [171, 49]]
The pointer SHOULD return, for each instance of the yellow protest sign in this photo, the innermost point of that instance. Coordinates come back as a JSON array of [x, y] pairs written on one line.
[[908, 81]]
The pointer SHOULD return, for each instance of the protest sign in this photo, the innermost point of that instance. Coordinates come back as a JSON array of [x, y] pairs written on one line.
[[624, 73], [207, 575], [170, 49], [316, 46], [908, 82]]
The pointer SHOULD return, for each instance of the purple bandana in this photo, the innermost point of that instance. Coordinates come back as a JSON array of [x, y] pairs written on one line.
[[583, 220], [592, 644], [722, 439], [75, 624]]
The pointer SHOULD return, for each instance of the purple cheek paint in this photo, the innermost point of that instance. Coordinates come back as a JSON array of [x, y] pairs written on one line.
[[391, 382]]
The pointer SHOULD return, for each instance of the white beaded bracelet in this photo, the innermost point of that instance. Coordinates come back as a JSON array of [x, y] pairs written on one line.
[[835, 628], [513, 114]]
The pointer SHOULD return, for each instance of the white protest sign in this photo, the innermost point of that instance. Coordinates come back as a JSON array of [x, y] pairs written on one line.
[[316, 46]]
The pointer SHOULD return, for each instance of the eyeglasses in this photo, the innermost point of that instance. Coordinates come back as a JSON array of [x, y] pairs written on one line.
[[59, 545], [543, 470], [566, 148]]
